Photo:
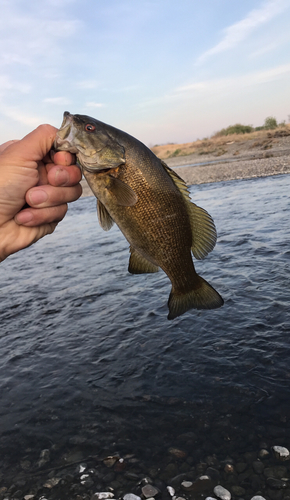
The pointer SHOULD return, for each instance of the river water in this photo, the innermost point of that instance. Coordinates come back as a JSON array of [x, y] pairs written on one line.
[[91, 366]]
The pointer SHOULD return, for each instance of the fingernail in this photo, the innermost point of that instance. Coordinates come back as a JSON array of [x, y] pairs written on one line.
[[61, 177], [23, 217], [37, 197]]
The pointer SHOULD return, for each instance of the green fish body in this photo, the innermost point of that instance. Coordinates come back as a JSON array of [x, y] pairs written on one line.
[[150, 204]]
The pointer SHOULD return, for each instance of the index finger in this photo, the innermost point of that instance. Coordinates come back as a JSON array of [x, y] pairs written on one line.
[[63, 158]]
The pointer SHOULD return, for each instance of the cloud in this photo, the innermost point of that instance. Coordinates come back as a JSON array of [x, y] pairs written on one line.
[[239, 31], [25, 119], [249, 79], [62, 101], [7, 84], [87, 84], [94, 105]]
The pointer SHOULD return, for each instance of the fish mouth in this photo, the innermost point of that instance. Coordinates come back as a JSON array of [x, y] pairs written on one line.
[[65, 135]]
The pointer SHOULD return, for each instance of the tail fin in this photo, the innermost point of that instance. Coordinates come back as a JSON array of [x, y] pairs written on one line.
[[203, 296]]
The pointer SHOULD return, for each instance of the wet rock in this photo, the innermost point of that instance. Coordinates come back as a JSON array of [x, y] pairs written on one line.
[[277, 471], [149, 491], [104, 495], [186, 485], [50, 483], [276, 484], [108, 478], [18, 494], [176, 480], [171, 491], [131, 496], [258, 497], [111, 460], [171, 469], [202, 485], [29, 497], [213, 474], [131, 476], [77, 440], [146, 480], [238, 491], [222, 493], [258, 466], [43, 458], [25, 464], [263, 453], [212, 461], [281, 453], [241, 467], [275, 494], [184, 467], [256, 482], [81, 468], [229, 468], [176, 452]]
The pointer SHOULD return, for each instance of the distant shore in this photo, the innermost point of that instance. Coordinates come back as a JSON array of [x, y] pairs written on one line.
[[241, 160]]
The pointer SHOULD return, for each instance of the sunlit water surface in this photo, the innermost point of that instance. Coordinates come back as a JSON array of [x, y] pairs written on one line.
[[87, 350]]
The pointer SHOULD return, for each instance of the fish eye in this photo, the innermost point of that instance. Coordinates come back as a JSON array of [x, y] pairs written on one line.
[[89, 127]]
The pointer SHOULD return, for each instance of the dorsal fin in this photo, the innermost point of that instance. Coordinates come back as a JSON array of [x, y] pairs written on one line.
[[139, 265], [202, 226], [105, 220]]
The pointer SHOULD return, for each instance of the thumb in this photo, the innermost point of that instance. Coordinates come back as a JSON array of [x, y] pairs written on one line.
[[31, 149]]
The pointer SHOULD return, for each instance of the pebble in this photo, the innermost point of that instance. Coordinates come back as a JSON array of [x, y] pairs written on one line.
[[238, 491], [276, 484], [222, 493], [258, 466], [171, 491], [131, 496], [149, 491], [52, 482], [186, 485], [104, 495], [281, 453], [258, 497], [176, 452], [241, 467], [44, 457], [263, 454]]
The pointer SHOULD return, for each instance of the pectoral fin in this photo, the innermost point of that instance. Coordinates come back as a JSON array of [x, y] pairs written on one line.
[[139, 265], [125, 196], [105, 220]]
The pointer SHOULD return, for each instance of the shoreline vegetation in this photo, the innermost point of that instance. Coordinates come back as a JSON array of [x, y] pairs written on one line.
[[259, 153]]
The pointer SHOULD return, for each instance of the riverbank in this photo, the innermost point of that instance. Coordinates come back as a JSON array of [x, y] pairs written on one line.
[[246, 159]]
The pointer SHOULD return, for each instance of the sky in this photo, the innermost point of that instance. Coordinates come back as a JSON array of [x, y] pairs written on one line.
[[163, 71]]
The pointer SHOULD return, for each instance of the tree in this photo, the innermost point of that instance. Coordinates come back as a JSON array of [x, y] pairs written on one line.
[[270, 123]]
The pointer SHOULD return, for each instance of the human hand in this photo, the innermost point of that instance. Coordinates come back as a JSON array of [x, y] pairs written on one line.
[[28, 175]]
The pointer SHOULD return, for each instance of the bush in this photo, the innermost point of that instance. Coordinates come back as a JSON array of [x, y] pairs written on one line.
[[236, 129], [270, 123]]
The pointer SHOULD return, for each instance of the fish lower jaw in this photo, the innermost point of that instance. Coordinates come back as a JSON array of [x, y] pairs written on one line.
[[62, 145]]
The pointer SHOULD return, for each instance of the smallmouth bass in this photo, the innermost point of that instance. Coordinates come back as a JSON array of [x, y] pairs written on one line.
[[150, 204]]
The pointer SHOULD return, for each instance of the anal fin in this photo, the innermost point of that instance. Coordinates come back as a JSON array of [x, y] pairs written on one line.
[[139, 265]]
